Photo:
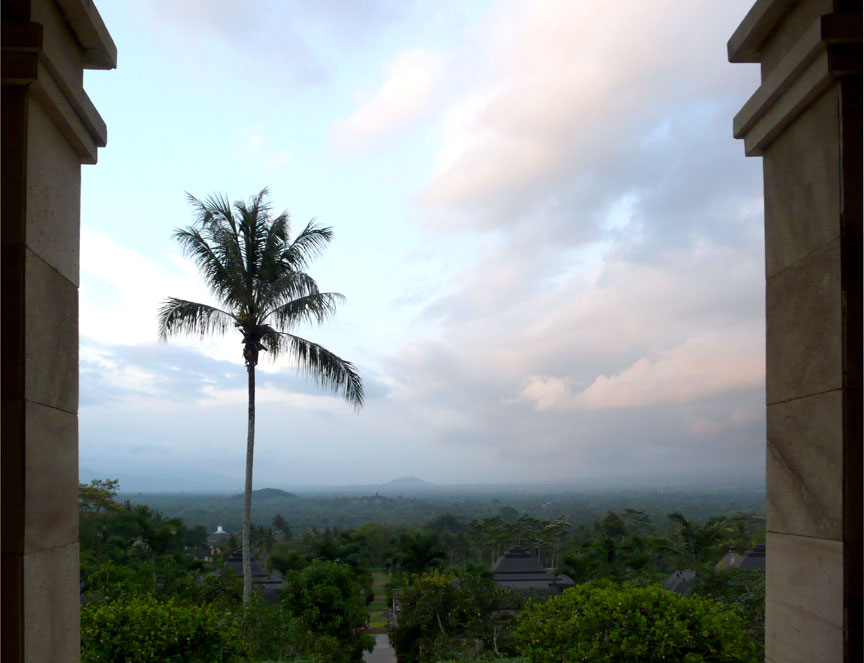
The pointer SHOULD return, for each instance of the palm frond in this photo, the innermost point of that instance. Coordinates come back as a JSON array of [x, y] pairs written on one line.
[[254, 217], [289, 285], [307, 245], [218, 271], [317, 307], [276, 237], [318, 364], [231, 239], [214, 210], [227, 245], [257, 210], [179, 316]]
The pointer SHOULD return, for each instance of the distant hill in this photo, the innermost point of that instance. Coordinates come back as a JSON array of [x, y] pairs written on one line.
[[409, 482]]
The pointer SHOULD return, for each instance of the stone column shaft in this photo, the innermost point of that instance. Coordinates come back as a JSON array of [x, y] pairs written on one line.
[[805, 122], [49, 128]]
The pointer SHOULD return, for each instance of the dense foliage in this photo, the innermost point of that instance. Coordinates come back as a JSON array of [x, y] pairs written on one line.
[[141, 629], [151, 579], [742, 590], [130, 549], [603, 621], [397, 507], [326, 597], [452, 614], [148, 596]]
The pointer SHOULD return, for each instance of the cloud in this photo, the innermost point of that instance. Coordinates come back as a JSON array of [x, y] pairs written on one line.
[[609, 314], [576, 287], [696, 369], [121, 290], [412, 81], [260, 39], [176, 374], [560, 105]]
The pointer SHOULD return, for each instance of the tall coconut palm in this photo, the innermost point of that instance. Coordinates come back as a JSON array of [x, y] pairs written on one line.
[[257, 275]]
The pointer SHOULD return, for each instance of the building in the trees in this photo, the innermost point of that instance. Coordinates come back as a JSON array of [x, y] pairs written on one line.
[[268, 583], [218, 537], [753, 560], [730, 560], [518, 570], [680, 581]]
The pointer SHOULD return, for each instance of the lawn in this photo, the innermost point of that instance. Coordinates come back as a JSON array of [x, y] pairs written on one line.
[[378, 607]]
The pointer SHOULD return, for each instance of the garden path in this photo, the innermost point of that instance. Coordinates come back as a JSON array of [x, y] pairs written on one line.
[[383, 652]]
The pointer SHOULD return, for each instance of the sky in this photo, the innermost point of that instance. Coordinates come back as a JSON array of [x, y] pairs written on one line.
[[549, 243]]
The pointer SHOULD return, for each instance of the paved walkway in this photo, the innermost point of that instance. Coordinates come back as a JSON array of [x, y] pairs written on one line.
[[383, 652]]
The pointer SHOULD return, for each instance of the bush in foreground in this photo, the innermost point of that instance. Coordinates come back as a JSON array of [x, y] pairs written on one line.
[[454, 615], [144, 629], [604, 622], [326, 598]]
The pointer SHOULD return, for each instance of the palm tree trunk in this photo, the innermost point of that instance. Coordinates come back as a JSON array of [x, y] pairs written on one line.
[[247, 493]]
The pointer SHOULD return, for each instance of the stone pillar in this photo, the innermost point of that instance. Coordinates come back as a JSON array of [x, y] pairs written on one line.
[[805, 122], [49, 128]]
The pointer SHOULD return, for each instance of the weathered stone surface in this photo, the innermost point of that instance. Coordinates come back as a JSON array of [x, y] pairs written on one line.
[[805, 466], [802, 213], [796, 20], [804, 607], [51, 336], [51, 605], [50, 478], [803, 339], [59, 41], [805, 119], [53, 195]]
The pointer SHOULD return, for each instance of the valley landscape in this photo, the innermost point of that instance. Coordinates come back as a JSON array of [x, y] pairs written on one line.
[[410, 501]]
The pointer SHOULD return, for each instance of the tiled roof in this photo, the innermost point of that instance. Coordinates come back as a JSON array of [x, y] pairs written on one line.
[[518, 569], [520, 562], [680, 581], [270, 583], [754, 560]]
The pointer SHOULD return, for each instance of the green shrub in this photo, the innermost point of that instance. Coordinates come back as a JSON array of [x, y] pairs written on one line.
[[604, 622], [453, 615], [143, 629], [744, 590], [326, 598]]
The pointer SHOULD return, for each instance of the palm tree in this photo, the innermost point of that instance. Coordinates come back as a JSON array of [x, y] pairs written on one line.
[[418, 550], [697, 542], [256, 274]]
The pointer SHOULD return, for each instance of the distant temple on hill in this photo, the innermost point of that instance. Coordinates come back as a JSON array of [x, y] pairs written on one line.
[[518, 570], [376, 499], [219, 536]]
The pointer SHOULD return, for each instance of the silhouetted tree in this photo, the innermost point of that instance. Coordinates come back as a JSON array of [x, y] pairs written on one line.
[[256, 273]]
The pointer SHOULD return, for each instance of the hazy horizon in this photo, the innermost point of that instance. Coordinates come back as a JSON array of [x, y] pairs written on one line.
[[412, 484]]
